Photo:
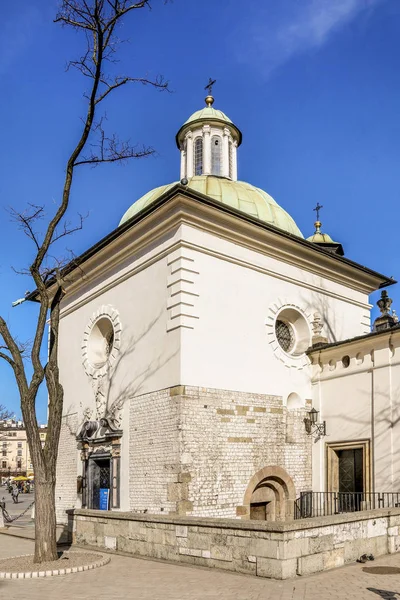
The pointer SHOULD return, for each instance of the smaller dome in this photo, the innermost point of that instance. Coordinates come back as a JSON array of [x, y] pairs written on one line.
[[208, 113], [320, 238], [324, 240]]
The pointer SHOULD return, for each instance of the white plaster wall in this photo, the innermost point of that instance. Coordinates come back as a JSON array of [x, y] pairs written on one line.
[[395, 416], [344, 402], [362, 402], [239, 292], [150, 356]]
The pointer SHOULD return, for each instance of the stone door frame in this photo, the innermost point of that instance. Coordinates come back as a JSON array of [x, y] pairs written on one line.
[[332, 463]]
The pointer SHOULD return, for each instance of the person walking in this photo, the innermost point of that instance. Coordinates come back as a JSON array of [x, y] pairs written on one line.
[[14, 494]]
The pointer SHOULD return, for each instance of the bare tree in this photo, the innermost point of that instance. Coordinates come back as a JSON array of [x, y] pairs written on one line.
[[98, 20], [4, 413]]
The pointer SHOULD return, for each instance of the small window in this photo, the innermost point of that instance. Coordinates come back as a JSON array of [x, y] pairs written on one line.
[[198, 156], [19, 444], [19, 452], [18, 464], [285, 335], [4, 464], [4, 444], [216, 148], [4, 452]]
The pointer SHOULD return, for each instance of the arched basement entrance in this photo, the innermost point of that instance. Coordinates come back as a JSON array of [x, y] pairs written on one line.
[[270, 496]]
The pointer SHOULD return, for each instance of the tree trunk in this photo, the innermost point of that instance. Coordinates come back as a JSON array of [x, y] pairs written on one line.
[[45, 521]]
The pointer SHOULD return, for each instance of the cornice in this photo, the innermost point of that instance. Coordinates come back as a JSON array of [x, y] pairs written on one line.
[[181, 205], [153, 234], [375, 340]]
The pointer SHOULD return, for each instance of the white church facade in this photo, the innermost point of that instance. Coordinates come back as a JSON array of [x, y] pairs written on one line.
[[197, 337]]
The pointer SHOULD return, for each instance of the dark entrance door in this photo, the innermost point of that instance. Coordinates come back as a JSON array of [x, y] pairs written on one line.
[[100, 478], [351, 479]]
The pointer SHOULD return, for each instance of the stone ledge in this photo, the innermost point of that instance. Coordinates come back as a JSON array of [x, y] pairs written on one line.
[[239, 524]]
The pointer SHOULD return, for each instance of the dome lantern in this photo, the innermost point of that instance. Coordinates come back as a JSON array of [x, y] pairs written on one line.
[[208, 143], [323, 239]]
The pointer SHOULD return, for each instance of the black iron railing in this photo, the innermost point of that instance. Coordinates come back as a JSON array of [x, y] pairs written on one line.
[[323, 504]]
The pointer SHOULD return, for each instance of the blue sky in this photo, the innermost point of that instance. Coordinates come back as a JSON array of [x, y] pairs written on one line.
[[312, 84]]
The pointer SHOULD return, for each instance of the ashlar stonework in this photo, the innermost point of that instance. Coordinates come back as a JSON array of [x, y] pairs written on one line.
[[194, 450]]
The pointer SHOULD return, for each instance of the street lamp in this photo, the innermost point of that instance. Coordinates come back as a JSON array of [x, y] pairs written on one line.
[[313, 427]]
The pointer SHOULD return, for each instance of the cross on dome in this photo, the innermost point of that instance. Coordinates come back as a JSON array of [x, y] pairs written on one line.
[[317, 209], [210, 98]]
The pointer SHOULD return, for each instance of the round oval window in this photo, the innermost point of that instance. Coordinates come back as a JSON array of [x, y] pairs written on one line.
[[292, 332], [101, 342], [285, 335]]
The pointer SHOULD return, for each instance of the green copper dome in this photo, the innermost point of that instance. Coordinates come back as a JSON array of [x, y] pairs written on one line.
[[321, 238], [236, 194], [208, 113]]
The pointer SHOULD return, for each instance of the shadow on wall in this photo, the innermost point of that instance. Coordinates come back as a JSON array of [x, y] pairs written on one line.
[[319, 304], [117, 386]]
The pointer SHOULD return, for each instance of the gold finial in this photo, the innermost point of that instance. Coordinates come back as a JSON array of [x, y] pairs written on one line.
[[318, 223], [317, 226], [209, 98]]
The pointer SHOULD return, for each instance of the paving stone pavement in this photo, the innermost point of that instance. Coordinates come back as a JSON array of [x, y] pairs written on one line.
[[133, 578]]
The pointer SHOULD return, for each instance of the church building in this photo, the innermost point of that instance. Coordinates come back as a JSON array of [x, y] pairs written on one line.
[[216, 363]]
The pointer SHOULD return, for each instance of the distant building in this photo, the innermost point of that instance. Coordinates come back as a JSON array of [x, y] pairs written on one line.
[[15, 456]]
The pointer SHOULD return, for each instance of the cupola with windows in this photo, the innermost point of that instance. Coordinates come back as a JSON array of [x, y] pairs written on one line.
[[208, 142]]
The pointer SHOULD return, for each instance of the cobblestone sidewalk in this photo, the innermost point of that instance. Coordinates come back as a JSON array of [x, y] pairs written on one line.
[[132, 578]]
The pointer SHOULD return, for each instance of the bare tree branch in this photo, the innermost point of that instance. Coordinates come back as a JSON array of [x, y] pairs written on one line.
[[158, 83], [4, 413], [27, 219], [67, 229]]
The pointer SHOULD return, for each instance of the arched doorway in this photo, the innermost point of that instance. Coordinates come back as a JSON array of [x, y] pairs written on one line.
[[269, 496]]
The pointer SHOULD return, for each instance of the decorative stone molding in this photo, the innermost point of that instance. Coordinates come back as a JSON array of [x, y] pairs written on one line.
[[296, 361], [105, 311], [182, 290], [275, 481]]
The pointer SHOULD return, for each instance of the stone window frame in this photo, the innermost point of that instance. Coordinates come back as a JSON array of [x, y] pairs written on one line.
[[105, 311], [330, 470], [299, 361]]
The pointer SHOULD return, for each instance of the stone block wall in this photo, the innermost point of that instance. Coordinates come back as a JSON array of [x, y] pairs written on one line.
[[66, 483], [227, 437], [297, 454], [194, 450], [279, 550], [154, 464]]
